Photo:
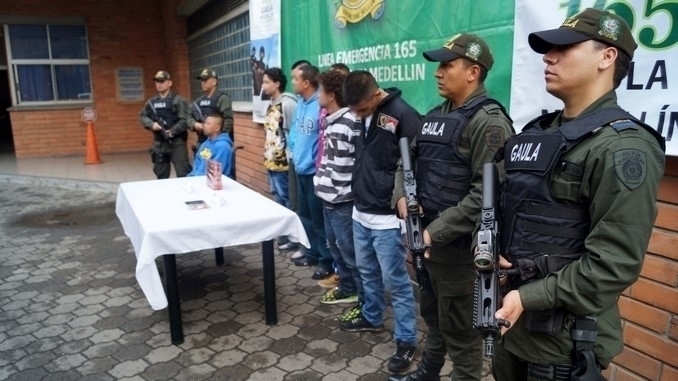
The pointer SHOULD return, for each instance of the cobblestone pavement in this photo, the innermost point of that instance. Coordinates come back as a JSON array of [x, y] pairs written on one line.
[[70, 307]]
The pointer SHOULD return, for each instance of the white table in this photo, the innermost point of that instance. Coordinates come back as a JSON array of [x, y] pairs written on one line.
[[155, 217]]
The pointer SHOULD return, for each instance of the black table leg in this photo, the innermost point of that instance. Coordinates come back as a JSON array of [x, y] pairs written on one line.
[[173, 303], [219, 256], [269, 283]]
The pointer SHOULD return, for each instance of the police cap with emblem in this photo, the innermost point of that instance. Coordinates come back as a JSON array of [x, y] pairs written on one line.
[[161, 76], [464, 45], [207, 74], [590, 24]]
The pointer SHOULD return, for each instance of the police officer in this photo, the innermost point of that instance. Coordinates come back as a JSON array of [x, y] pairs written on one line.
[[165, 115], [453, 142], [213, 101], [579, 204]]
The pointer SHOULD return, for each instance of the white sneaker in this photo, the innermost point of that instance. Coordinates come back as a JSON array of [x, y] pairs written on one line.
[[287, 246], [297, 255]]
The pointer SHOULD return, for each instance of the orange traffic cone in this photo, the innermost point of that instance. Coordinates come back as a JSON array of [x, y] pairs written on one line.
[[92, 156]]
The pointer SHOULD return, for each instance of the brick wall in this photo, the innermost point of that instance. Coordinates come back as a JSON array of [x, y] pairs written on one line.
[[650, 307], [120, 33], [250, 159]]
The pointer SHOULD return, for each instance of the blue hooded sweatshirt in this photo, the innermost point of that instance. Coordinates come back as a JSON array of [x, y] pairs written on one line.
[[219, 149], [305, 134]]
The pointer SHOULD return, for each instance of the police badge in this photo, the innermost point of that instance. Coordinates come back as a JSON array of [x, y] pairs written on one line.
[[609, 28], [473, 51]]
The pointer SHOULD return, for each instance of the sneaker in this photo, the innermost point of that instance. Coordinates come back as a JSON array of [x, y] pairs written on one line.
[[330, 282], [322, 274], [289, 245], [337, 297], [359, 324], [402, 358], [297, 255], [350, 314]]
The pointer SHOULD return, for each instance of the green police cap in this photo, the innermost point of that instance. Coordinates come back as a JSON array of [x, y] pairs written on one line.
[[207, 73], [161, 76], [590, 24], [464, 45]]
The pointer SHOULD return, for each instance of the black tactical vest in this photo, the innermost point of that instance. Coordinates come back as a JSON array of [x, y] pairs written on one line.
[[208, 106], [164, 107], [542, 234], [443, 175]]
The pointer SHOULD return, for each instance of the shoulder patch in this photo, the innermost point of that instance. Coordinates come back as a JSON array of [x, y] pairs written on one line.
[[494, 137], [630, 167]]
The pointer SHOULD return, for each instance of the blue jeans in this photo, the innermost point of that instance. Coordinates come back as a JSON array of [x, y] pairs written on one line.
[[380, 257], [339, 229], [311, 215], [278, 182]]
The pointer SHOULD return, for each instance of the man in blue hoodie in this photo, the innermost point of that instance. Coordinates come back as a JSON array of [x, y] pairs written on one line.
[[217, 147], [304, 137]]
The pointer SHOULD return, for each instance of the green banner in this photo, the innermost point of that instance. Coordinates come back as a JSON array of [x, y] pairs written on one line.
[[387, 37]]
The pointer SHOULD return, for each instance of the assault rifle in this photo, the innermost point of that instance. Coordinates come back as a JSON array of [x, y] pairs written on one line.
[[487, 290], [414, 235], [161, 121]]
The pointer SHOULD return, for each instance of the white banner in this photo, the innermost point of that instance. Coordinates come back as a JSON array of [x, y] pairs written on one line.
[[650, 92], [264, 49]]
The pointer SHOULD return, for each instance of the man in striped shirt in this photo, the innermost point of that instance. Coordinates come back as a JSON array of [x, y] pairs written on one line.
[[332, 183]]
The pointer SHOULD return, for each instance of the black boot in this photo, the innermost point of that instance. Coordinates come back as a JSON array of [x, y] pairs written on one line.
[[428, 370]]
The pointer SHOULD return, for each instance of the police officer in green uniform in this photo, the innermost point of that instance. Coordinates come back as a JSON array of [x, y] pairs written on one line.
[[165, 115], [213, 101], [453, 142], [579, 204]]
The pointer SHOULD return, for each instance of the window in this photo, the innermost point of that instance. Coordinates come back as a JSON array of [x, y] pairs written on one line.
[[226, 50], [49, 63]]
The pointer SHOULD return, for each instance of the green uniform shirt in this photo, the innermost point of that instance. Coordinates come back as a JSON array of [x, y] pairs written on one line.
[[622, 218], [225, 107], [180, 108], [484, 134]]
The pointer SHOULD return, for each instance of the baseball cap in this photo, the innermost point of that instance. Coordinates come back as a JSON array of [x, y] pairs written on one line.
[[161, 76], [590, 24], [207, 73], [464, 45]]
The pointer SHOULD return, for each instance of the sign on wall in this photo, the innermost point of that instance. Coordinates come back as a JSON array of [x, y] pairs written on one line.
[[387, 38], [264, 49], [129, 83], [650, 92]]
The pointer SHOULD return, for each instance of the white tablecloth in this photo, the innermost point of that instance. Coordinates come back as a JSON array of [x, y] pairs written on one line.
[[157, 220]]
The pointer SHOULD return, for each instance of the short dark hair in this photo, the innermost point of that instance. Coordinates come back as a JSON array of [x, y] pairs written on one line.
[[310, 74], [217, 116], [483, 72], [262, 50], [300, 63], [359, 85], [621, 64], [341, 67], [333, 81], [276, 75]]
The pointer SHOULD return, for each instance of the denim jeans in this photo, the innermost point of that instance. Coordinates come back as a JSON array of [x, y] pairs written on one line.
[[278, 182], [311, 215], [380, 256], [339, 229]]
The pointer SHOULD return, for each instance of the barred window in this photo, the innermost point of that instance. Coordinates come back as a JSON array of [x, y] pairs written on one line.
[[49, 64], [225, 49]]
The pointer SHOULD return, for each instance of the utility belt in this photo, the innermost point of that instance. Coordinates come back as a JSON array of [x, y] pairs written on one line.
[[158, 137], [583, 331]]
